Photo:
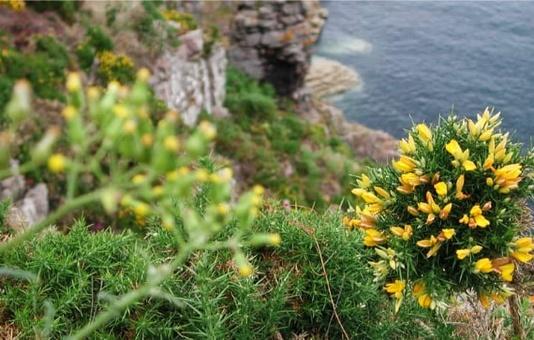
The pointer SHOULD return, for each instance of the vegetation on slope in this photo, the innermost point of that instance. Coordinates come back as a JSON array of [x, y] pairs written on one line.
[[273, 146]]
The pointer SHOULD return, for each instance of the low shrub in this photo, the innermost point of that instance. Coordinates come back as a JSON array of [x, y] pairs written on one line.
[[66, 9], [294, 291], [280, 150], [448, 216], [96, 41], [115, 67], [44, 67]]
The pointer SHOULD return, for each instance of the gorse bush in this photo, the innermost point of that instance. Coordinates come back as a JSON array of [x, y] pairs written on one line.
[[287, 295], [96, 41], [137, 167], [247, 98], [115, 67], [446, 218], [44, 68]]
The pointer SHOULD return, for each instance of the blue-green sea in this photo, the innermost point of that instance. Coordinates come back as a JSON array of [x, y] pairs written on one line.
[[419, 59]]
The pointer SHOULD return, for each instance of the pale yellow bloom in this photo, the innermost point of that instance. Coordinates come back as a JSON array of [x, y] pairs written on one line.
[[373, 238], [407, 146], [364, 182], [425, 134], [475, 218], [405, 164], [463, 253], [460, 157], [459, 188], [441, 189], [522, 249], [405, 233], [483, 265], [396, 288]]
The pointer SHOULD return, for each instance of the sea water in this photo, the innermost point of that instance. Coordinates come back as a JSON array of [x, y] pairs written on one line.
[[420, 59]]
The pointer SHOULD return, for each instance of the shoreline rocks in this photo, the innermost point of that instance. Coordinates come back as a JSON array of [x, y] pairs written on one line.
[[328, 77], [376, 145]]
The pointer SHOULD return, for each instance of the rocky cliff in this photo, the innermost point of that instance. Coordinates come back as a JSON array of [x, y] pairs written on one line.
[[190, 80], [272, 40]]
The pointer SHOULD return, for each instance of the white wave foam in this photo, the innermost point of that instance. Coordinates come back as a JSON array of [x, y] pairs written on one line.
[[347, 45]]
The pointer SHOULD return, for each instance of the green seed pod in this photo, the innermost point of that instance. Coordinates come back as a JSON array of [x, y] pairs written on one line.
[[19, 107], [43, 149]]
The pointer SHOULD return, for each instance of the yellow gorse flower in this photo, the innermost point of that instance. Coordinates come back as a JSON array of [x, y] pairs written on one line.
[[522, 249], [459, 188], [476, 219], [425, 135], [405, 164], [463, 253], [373, 238], [507, 178], [483, 128], [423, 298], [431, 208], [441, 189], [409, 181], [507, 271], [460, 157], [404, 233], [407, 146], [57, 163], [396, 288], [434, 243], [483, 265], [364, 182]]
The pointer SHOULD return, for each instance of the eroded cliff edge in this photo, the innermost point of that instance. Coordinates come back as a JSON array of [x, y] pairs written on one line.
[[273, 41]]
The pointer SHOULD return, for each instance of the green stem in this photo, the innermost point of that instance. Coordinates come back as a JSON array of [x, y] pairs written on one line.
[[66, 208], [71, 180], [132, 297], [4, 173]]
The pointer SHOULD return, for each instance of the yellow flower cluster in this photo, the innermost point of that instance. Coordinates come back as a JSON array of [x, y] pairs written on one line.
[[116, 67], [186, 21], [16, 5], [439, 200]]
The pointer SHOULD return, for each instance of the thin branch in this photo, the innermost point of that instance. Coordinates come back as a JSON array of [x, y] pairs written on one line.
[[334, 308]]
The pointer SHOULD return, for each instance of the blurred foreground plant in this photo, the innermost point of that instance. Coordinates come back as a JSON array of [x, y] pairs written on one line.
[[447, 217], [138, 168]]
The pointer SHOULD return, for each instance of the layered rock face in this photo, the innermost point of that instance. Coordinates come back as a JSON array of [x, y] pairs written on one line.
[[29, 204], [188, 80], [272, 40]]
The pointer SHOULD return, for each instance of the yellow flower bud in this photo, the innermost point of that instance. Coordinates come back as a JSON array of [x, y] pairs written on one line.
[[129, 126], [57, 163], [207, 129], [143, 75], [147, 139], [141, 209], [171, 143], [120, 111], [246, 270], [74, 82], [69, 112]]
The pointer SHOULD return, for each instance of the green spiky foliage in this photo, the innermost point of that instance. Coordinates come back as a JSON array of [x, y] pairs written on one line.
[[447, 216], [80, 273]]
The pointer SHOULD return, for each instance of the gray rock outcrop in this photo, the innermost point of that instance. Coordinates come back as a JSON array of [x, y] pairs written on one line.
[[30, 205], [271, 41], [188, 80]]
